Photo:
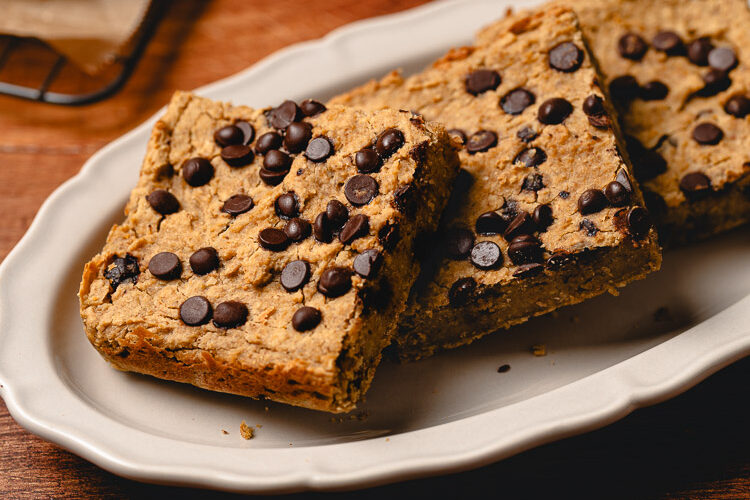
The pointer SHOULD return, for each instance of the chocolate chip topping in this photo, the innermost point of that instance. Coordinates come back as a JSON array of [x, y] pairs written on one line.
[[319, 149], [197, 171], [461, 291], [591, 201], [122, 269], [589, 227], [311, 107], [490, 223], [360, 189], [163, 201], [356, 227], [204, 260], [267, 142], [695, 185], [558, 260], [284, 115], [714, 81], [648, 165], [707, 134], [388, 235], [531, 157], [542, 217], [322, 228], [533, 182], [722, 58], [486, 255], [237, 204], [460, 134], [523, 223], [237, 155], [230, 314], [297, 229], [653, 91], [388, 142], [554, 111], [367, 161], [271, 177], [698, 50], [337, 214], [528, 270], [226, 136], [624, 179], [526, 134], [639, 222], [273, 239], [368, 263], [616, 194], [593, 105], [277, 161], [287, 206], [335, 282], [295, 275], [481, 141], [632, 46], [196, 311], [306, 318], [515, 101], [482, 80], [525, 249], [165, 266], [248, 132], [624, 88], [458, 243], [738, 106], [566, 57], [298, 134], [669, 42]]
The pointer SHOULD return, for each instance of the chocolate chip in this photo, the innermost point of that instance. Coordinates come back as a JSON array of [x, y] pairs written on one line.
[[554, 111], [523, 223], [163, 201], [122, 269], [531, 157], [458, 243], [196, 311], [367, 263], [648, 165], [297, 229], [738, 105], [287, 206], [335, 282], [542, 217], [271, 177], [284, 115], [558, 260], [197, 171], [695, 186], [490, 223], [528, 270], [566, 57], [165, 266], [166, 171], [460, 134], [714, 81], [486, 255], [389, 141], [226, 136], [600, 121], [707, 133], [230, 314], [237, 155], [624, 179], [273, 239], [525, 249], [204, 260], [589, 227], [367, 161], [277, 161], [295, 275], [482, 80], [526, 134], [591, 201], [515, 101], [593, 105], [654, 202], [624, 88], [298, 134], [389, 235], [322, 228], [248, 132], [319, 149], [267, 142], [306, 318], [698, 51], [481, 141], [461, 291], [632, 46], [356, 227], [722, 58], [237, 204], [533, 182], [360, 189], [337, 214], [311, 107], [404, 199], [616, 194], [564, 195], [653, 91], [639, 222], [669, 42]]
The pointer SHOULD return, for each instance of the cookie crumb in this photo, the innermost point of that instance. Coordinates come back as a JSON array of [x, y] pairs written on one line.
[[503, 369], [224, 432], [539, 350], [246, 431], [360, 415]]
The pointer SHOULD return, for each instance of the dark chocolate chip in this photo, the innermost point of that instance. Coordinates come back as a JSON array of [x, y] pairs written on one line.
[[122, 269], [226, 136], [592, 201], [284, 115], [624, 179], [707, 133], [367, 161], [698, 50], [367, 263], [460, 134], [273, 239], [389, 141], [297, 229], [237, 155], [654, 202], [589, 227], [632, 46], [481, 141], [287, 206], [277, 161], [617, 194], [163, 201], [204, 260], [389, 236], [649, 165], [319, 149], [361, 189], [322, 228], [335, 282], [669, 42], [337, 214], [458, 243], [237, 204], [306, 318], [311, 107], [197, 171], [165, 266], [356, 227], [486, 255], [639, 222], [558, 260], [653, 91], [419, 152], [525, 249], [196, 311], [695, 186], [248, 132], [593, 105], [528, 270], [268, 142], [531, 157], [482, 80], [564, 195], [272, 178], [461, 291], [298, 134], [166, 171], [523, 223], [515, 101], [714, 81], [722, 58], [533, 182], [542, 216], [526, 134], [566, 57], [490, 223], [554, 111], [230, 314], [295, 275], [624, 88], [738, 105], [404, 199]]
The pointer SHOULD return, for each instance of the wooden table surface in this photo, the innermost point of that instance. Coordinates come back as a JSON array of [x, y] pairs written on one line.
[[695, 446]]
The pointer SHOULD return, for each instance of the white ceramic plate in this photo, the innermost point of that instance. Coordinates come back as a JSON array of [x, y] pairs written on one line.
[[605, 357]]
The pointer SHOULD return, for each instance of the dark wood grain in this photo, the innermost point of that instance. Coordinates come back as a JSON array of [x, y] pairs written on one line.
[[696, 446]]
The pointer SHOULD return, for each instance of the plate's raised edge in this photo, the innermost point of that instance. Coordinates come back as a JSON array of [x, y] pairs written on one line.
[[619, 389]]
